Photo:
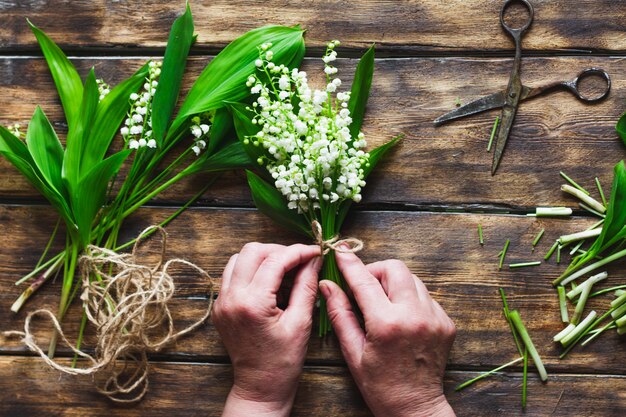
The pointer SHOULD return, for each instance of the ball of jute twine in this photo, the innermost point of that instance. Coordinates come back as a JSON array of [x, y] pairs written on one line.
[[334, 243], [128, 303]]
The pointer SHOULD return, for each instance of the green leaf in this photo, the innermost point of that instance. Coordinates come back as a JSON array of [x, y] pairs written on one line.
[[46, 150], [225, 76], [361, 90], [16, 152], [9, 143], [109, 116], [66, 79], [377, 154], [166, 95], [78, 134], [621, 128], [231, 156], [221, 129], [91, 192], [272, 203]]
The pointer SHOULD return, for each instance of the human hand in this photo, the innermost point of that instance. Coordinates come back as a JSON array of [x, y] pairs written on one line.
[[266, 344], [399, 359]]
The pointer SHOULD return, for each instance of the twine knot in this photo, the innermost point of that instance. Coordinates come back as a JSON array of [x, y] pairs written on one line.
[[334, 243], [129, 306]]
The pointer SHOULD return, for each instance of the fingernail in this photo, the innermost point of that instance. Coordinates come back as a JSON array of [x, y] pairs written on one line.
[[324, 289]]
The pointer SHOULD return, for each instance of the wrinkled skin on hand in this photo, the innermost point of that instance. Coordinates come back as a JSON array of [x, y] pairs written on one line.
[[398, 360], [267, 344]]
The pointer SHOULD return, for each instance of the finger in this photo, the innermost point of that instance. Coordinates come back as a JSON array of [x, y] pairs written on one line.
[[368, 292], [277, 263], [349, 333], [304, 291], [228, 272], [250, 258], [396, 279], [422, 291]]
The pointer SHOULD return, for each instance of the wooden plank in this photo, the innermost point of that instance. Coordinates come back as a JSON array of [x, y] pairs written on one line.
[[445, 166], [441, 248], [404, 27], [328, 391]]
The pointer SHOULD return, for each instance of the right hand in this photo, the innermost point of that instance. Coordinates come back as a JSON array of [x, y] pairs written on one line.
[[398, 361]]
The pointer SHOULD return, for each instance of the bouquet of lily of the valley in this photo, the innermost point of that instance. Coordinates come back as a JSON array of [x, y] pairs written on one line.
[[84, 182], [310, 146]]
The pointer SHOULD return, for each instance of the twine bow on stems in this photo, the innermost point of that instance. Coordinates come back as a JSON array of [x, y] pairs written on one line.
[[129, 305], [334, 243]]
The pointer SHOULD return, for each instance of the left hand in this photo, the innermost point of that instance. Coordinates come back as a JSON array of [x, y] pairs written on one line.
[[267, 345]]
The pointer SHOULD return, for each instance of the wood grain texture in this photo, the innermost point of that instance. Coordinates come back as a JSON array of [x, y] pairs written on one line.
[[445, 166], [442, 249], [400, 27], [197, 389]]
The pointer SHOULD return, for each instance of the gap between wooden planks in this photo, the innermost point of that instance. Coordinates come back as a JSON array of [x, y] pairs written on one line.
[[398, 27]]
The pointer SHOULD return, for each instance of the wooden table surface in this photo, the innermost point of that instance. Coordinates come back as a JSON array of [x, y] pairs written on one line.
[[423, 204]]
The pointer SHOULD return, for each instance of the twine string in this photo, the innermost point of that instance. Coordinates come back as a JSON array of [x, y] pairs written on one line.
[[334, 243], [128, 303]]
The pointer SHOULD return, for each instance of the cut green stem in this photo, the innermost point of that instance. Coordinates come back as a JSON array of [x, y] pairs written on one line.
[[524, 264], [504, 250], [493, 133], [486, 374], [563, 304], [538, 238], [551, 251], [601, 192], [480, 234], [591, 202], [574, 183], [528, 343]]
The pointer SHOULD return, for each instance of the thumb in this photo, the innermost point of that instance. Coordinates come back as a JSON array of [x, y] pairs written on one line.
[[349, 332]]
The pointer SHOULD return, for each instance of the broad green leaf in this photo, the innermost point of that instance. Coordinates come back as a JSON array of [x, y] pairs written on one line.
[[46, 150], [90, 194], [9, 143], [614, 227], [221, 129], [166, 95], [231, 156], [225, 76], [109, 116], [31, 173], [272, 203], [375, 156], [78, 134], [361, 90], [621, 128], [66, 79]]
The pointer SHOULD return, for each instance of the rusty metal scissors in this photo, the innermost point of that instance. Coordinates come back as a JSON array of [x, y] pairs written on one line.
[[515, 92]]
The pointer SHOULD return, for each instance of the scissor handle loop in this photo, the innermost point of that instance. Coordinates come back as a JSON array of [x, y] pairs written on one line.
[[517, 31], [574, 84]]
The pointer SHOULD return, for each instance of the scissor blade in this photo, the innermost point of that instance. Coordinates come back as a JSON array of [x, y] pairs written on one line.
[[508, 116], [489, 102]]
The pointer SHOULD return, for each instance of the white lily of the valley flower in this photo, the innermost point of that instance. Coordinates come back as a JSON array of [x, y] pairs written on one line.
[[309, 144]]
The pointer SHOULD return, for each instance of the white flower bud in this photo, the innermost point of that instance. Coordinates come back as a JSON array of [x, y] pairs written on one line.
[[152, 144]]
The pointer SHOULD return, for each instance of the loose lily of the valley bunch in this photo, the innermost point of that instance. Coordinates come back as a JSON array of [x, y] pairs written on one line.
[[132, 124], [310, 145]]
